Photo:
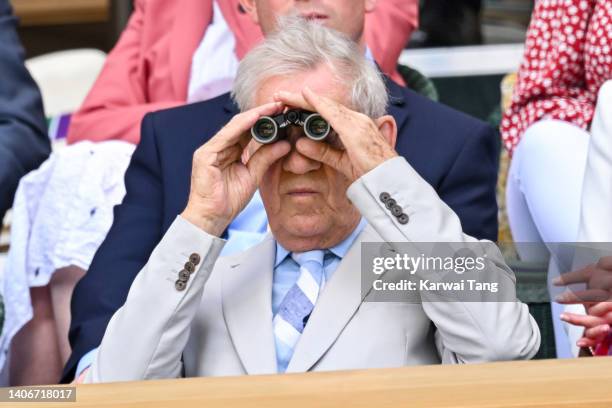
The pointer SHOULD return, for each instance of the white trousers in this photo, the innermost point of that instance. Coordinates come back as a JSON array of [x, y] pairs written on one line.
[[560, 191], [596, 217]]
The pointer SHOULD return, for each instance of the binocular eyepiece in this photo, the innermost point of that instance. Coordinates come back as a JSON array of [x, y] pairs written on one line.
[[269, 129]]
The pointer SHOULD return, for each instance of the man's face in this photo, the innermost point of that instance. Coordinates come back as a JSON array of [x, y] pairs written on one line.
[[346, 16], [306, 200]]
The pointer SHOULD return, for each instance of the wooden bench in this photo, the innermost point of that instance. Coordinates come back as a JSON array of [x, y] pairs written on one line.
[[48, 12]]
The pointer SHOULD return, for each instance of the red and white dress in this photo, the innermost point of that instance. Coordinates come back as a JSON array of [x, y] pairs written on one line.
[[568, 57]]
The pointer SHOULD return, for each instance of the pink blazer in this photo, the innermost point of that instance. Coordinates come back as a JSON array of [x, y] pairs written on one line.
[[149, 67]]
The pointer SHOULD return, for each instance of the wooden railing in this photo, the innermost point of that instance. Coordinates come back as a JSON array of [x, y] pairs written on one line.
[[48, 12], [585, 382]]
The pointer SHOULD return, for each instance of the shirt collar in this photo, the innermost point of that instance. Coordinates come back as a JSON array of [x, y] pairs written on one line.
[[339, 250]]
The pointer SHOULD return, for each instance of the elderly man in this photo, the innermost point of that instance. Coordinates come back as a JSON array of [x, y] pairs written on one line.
[[293, 303], [456, 154]]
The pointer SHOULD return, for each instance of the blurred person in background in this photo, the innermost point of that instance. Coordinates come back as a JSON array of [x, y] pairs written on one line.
[[595, 295], [559, 184], [148, 70], [23, 133], [450, 23], [170, 53]]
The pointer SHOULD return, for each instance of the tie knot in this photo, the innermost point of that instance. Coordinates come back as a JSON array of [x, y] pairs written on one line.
[[304, 258]]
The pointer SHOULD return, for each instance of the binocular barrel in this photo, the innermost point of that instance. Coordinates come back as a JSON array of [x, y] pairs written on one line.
[[271, 129]]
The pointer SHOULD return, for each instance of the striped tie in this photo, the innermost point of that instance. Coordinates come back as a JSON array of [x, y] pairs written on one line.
[[295, 309]]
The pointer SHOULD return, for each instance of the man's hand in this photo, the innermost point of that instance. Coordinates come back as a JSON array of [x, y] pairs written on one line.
[[597, 299], [223, 179], [364, 145]]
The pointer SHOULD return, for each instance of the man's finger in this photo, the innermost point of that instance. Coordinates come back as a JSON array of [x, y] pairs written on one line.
[[340, 118], [578, 276], [322, 152], [238, 129], [249, 150], [582, 320], [264, 157], [293, 100], [228, 156]]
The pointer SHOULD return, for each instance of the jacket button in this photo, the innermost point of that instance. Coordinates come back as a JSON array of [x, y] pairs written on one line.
[[397, 210], [384, 197], [403, 219], [390, 203], [180, 285], [194, 259], [184, 275], [189, 267]]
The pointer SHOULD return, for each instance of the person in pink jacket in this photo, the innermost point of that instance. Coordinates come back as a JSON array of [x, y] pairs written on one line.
[[149, 68]]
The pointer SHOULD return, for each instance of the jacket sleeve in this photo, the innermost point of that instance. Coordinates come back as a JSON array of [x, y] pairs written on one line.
[[118, 100], [136, 230], [388, 30], [24, 144], [149, 332], [467, 331]]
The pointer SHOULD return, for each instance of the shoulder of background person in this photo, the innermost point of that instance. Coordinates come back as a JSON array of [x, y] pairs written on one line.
[[181, 130], [435, 115]]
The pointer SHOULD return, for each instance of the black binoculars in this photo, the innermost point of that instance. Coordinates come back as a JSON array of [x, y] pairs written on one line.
[[269, 129]]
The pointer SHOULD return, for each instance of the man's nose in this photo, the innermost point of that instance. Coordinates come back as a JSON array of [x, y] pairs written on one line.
[[297, 163]]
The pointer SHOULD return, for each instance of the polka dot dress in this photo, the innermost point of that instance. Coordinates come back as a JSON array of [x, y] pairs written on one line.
[[567, 59]]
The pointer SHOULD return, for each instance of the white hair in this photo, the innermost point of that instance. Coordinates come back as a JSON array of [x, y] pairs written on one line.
[[300, 46]]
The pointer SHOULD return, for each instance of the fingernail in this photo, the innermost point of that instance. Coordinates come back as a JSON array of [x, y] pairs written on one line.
[[563, 316], [557, 281], [581, 343]]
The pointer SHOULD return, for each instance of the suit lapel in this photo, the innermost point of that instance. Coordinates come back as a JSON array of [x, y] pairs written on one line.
[[335, 307], [247, 307], [192, 19]]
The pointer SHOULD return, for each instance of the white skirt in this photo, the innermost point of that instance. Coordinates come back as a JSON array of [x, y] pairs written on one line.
[[61, 214]]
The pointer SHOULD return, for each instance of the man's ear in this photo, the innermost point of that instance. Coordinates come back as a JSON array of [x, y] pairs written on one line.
[[370, 5], [250, 7], [388, 128]]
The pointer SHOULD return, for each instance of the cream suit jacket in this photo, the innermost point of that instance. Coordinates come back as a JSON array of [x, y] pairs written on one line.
[[221, 324]]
